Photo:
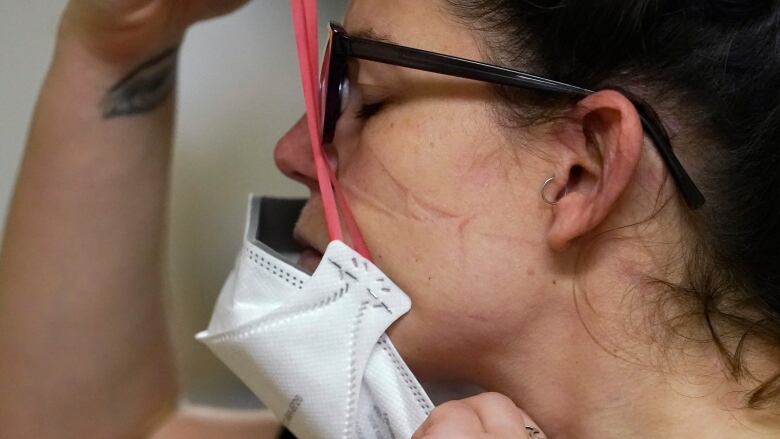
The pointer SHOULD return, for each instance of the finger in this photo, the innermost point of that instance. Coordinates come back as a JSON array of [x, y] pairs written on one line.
[[451, 419], [532, 430], [498, 413]]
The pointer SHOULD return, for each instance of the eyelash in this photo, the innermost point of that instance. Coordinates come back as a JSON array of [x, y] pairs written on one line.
[[369, 110]]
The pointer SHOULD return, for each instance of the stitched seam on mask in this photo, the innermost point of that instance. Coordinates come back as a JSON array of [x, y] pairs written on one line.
[[276, 271], [286, 316], [279, 272], [343, 271], [416, 392], [351, 397], [292, 313]]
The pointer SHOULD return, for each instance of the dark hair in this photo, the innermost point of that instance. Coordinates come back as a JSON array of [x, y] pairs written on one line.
[[714, 66]]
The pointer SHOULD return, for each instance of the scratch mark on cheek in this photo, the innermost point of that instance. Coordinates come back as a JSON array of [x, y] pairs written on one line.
[[375, 159], [407, 203], [355, 192], [461, 240], [463, 224], [423, 210]]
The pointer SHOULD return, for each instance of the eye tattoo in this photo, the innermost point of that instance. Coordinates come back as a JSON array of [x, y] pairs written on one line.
[[143, 89]]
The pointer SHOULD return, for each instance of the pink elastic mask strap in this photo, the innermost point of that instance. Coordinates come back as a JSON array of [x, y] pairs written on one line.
[[310, 15], [354, 231], [304, 20], [305, 25]]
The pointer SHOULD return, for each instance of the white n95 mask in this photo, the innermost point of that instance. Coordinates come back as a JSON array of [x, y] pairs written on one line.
[[313, 348]]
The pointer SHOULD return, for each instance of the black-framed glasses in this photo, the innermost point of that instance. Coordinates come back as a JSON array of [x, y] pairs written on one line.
[[342, 46]]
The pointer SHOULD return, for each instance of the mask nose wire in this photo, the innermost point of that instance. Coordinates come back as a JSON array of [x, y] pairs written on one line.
[[304, 14]]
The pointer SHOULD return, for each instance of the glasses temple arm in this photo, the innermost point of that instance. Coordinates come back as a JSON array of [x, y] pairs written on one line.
[[450, 65], [418, 59], [692, 195]]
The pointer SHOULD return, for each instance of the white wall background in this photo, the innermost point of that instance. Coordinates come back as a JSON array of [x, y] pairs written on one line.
[[239, 92]]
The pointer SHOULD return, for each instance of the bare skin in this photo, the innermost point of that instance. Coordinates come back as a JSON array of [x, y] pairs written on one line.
[[85, 347], [450, 205], [540, 303]]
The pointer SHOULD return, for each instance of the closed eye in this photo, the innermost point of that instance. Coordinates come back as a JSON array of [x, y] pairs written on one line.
[[369, 110]]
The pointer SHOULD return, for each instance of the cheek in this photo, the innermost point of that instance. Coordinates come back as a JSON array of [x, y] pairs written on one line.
[[405, 177], [413, 162], [439, 205]]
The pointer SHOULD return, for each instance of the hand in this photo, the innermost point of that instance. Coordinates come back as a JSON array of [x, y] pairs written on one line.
[[489, 415], [119, 30]]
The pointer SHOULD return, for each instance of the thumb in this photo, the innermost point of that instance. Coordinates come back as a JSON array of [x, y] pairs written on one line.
[[533, 430]]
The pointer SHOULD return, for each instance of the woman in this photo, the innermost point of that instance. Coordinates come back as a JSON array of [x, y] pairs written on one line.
[[550, 255]]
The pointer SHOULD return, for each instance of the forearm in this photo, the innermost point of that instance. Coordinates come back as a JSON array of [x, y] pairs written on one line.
[[83, 337]]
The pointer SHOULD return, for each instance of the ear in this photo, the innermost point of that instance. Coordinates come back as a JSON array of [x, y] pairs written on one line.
[[603, 141]]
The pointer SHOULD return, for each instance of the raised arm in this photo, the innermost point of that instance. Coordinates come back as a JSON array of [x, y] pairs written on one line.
[[84, 350]]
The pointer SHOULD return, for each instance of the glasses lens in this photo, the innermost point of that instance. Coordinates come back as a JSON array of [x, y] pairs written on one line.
[[324, 76], [344, 90], [334, 70]]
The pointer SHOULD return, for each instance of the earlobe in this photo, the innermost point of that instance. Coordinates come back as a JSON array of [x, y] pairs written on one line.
[[604, 152]]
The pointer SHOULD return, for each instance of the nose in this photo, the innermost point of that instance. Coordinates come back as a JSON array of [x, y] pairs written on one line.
[[293, 155]]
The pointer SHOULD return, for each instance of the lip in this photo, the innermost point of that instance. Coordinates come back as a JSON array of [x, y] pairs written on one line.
[[309, 259], [311, 255]]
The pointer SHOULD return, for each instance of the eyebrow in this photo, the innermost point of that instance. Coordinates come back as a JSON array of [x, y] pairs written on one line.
[[371, 34]]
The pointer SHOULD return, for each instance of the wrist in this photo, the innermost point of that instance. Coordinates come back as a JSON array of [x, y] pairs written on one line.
[[112, 41], [115, 85]]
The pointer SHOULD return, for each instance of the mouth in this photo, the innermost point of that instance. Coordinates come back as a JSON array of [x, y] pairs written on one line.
[[309, 259], [311, 256]]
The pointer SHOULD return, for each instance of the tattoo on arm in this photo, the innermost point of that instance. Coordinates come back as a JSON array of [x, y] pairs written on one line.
[[143, 89]]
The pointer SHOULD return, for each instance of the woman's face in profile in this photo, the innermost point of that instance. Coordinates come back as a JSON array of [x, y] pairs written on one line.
[[447, 199]]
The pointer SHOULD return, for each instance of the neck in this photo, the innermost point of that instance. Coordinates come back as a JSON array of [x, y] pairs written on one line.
[[576, 385]]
